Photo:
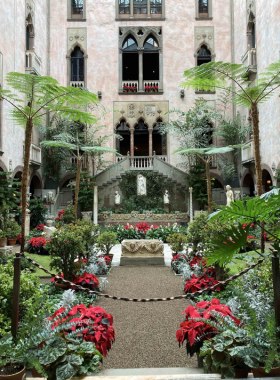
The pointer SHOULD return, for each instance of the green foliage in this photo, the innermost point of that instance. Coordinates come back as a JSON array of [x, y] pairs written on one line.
[[38, 212], [12, 230], [9, 195], [232, 132], [106, 241], [69, 215], [155, 189], [29, 292], [88, 231], [163, 232], [65, 247], [86, 192], [177, 242], [219, 75], [123, 233], [197, 180]]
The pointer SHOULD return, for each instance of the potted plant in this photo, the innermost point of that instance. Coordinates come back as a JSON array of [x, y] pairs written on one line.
[[177, 242], [3, 238], [12, 232], [11, 359], [106, 242]]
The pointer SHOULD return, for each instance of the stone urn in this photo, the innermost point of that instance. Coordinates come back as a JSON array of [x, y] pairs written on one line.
[[87, 215]]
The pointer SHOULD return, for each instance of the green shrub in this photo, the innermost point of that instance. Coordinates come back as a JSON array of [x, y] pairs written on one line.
[[13, 230], [69, 215], [65, 247], [88, 231], [106, 242], [38, 212], [123, 233], [29, 292], [177, 242], [162, 232]]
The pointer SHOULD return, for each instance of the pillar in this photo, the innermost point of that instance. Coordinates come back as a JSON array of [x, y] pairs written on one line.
[[120, 70], [160, 87], [141, 84], [27, 223], [191, 204], [131, 141], [150, 142], [149, 9], [95, 206], [131, 8]]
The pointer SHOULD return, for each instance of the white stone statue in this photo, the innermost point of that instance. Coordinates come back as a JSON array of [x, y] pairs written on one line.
[[237, 195], [50, 197], [230, 197], [117, 198], [141, 185], [166, 198]]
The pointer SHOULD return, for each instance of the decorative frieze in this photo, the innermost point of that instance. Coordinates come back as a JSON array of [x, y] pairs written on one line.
[[149, 217], [77, 36]]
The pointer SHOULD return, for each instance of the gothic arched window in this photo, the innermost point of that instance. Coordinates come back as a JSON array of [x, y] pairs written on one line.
[[130, 59], [77, 65], [203, 55], [151, 61]]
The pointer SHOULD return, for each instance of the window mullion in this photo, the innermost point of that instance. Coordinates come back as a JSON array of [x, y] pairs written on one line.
[[149, 9], [131, 9]]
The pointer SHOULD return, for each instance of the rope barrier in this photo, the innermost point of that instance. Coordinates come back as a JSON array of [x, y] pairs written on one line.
[[183, 296]]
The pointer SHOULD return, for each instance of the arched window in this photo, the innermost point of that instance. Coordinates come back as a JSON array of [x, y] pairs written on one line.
[[27, 38], [123, 144], [203, 55], [141, 139], [203, 8], [151, 64], [29, 35], [159, 140], [77, 65], [130, 59], [251, 31]]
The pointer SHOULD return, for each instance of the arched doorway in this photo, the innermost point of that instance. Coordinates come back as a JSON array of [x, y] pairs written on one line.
[[266, 181], [123, 144], [35, 187], [248, 185], [159, 140], [151, 63], [130, 62], [141, 139]]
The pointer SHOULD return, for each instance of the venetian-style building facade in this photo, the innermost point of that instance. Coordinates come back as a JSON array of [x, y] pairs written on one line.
[[133, 53]]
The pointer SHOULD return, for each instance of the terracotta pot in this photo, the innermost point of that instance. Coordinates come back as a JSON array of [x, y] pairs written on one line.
[[111, 255], [61, 285], [260, 372], [35, 373], [241, 373], [16, 376], [3, 242], [12, 241]]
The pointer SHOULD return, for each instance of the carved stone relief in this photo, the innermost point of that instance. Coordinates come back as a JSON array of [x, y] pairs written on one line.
[[131, 110], [204, 34], [150, 109], [140, 37], [251, 8], [30, 9], [77, 35]]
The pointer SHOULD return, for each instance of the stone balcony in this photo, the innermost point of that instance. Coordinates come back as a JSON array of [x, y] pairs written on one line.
[[77, 84], [33, 63], [148, 87], [247, 153], [249, 61], [35, 156]]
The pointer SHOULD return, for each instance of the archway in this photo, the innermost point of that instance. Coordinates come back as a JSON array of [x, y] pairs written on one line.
[[151, 61], [159, 140], [266, 181], [123, 145], [141, 139], [34, 186], [248, 185], [130, 60]]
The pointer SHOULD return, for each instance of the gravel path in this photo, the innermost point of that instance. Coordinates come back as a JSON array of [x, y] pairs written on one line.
[[146, 332]]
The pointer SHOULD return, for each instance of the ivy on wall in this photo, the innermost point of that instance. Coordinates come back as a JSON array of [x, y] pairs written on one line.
[[153, 201]]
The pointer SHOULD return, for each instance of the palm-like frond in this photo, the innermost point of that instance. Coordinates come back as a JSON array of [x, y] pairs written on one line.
[[59, 144], [228, 244], [210, 150], [99, 149]]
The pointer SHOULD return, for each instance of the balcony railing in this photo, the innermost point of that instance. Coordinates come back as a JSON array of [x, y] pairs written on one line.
[[141, 163], [249, 60], [32, 63], [162, 158], [130, 86], [77, 83], [247, 153], [35, 155], [151, 86]]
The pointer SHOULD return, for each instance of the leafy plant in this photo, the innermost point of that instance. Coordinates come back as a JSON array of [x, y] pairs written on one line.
[[68, 215], [38, 245], [9, 195], [89, 233], [106, 242], [38, 212], [163, 232], [12, 230], [197, 181], [124, 232], [177, 242]]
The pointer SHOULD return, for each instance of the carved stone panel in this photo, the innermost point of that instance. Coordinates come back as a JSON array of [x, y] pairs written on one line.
[[143, 248], [131, 111], [204, 34], [77, 35], [150, 109]]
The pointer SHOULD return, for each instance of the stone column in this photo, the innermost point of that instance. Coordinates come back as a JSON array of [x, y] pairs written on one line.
[[191, 204], [120, 69], [131, 141], [95, 205], [141, 84], [149, 9], [160, 87], [150, 142], [131, 8], [27, 223]]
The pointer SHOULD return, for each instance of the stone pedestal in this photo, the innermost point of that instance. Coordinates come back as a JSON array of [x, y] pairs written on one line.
[[49, 231], [8, 250], [117, 207], [87, 215], [142, 252], [167, 207]]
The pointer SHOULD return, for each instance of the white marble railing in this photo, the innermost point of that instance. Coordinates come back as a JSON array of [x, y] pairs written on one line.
[[35, 154], [77, 83], [130, 86], [120, 159], [250, 58], [162, 158], [33, 61], [141, 162], [151, 86], [247, 153]]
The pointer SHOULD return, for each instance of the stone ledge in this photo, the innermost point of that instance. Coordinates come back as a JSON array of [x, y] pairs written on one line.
[[142, 261]]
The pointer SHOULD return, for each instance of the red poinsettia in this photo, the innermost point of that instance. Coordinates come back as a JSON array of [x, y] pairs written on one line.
[[198, 283], [60, 215], [198, 261], [36, 244], [107, 260], [143, 227], [191, 328], [40, 227], [87, 280], [128, 227], [178, 258], [96, 325]]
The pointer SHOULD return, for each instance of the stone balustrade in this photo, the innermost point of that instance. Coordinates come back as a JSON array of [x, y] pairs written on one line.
[[141, 162]]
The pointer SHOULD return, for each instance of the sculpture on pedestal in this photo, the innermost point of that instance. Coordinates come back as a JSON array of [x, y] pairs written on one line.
[[166, 198], [230, 197], [237, 195], [141, 185], [117, 198], [50, 197]]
